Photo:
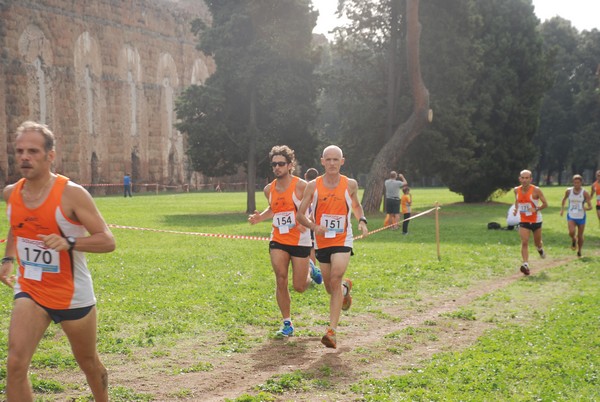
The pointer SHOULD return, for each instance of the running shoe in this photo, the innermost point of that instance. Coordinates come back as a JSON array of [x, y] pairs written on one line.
[[579, 254], [329, 338], [286, 330], [542, 253], [573, 245], [347, 283], [315, 273], [525, 269]]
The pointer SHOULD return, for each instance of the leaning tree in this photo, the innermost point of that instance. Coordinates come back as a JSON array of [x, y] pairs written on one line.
[[391, 153]]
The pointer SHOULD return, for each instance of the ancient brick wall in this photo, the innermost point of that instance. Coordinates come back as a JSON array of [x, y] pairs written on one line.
[[104, 75]]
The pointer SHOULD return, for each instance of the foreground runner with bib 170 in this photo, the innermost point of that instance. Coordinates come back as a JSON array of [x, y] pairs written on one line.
[[53, 221]]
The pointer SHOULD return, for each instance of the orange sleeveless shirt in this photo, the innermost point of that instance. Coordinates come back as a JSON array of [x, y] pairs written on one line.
[[333, 209], [596, 186], [56, 280], [285, 207], [527, 205]]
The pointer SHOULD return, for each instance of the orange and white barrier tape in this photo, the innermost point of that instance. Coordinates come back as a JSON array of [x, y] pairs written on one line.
[[102, 185], [224, 236], [389, 226]]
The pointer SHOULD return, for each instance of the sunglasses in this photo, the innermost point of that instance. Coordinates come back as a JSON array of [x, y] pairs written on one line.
[[280, 164]]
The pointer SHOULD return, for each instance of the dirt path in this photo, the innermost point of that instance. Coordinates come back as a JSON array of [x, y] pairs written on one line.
[[370, 346], [363, 351]]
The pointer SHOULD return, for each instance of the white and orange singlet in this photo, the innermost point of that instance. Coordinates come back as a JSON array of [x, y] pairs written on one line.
[[333, 209], [54, 279], [596, 186], [285, 207], [528, 206]]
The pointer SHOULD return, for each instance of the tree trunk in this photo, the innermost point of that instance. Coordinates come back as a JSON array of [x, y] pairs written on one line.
[[252, 134], [394, 149], [392, 74]]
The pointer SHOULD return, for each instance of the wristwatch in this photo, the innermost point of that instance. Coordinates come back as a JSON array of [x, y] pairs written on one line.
[[363, 219], [71, 240]]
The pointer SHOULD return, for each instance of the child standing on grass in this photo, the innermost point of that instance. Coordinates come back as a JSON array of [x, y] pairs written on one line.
[[405, 203]]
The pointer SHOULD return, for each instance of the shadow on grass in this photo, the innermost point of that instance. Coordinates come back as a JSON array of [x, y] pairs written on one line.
[[453, 229], [541, 277], [281, 353]]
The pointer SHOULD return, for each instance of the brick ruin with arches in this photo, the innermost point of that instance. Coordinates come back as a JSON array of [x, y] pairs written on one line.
[[104, 75]]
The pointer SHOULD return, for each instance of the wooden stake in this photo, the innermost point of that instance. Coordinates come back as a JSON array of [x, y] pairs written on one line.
[[437, 230]]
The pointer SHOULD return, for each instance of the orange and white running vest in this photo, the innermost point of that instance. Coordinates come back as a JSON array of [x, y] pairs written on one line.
[[54, 279], [527, 206], [597, 190], [333, 209], [285, 206]]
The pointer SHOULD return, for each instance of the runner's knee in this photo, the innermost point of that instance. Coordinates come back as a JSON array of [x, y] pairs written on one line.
[[17, 366], [90, 364]]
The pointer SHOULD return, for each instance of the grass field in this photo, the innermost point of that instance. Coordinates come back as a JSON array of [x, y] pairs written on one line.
[[175, 305]]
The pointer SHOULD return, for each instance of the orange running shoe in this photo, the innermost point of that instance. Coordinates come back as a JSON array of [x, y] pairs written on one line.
[[329, 338]]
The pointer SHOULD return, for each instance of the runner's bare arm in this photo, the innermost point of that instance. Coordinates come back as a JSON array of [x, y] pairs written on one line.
[[77, 204], [257, 217], [357, 208], [542, 198], [307, 196], [6, 271], [562, 204], [587, 201]]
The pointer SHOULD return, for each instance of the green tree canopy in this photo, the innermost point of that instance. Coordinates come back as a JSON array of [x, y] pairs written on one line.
[[485, 67], [568, 137], [262, 93], [557, 115], [508, 90]]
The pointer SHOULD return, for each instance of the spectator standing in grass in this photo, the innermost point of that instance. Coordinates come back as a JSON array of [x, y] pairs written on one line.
[[290, 242], [529, 201], [596, 191], [579, 202], [392, 197], [53, 221], [512, 220], [333, 198], [405, 204], [126, 185]]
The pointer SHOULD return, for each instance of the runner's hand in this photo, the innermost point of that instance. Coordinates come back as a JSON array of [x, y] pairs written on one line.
[[5, 274], [363, 228]]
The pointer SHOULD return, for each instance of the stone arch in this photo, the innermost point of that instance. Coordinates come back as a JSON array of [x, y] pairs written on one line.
[[90, 100], [133, 107], [130, 72], [95, 172], [37, 56], [136, 167], [199, 72], [172, 162], [170, 138]]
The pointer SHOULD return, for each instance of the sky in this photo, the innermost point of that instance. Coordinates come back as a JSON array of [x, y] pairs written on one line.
[[583, 14]]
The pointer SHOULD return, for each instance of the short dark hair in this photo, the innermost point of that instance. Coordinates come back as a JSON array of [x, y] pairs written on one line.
[[311, 174], [43, 129]]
